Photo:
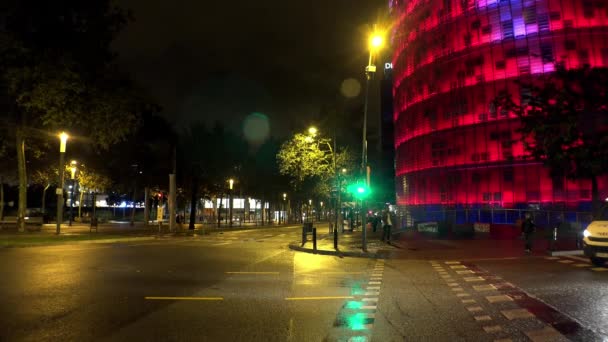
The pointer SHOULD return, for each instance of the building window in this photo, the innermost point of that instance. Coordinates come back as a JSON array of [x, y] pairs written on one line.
[[570, 45], [507, 175], [583, 57], [555, 16], [546, 52], [498, 196], [529, 14], [507, 29], [487, 196], [588, 9]]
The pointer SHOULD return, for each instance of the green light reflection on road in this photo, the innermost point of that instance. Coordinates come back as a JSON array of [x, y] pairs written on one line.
[[354, 305], [356, 321]]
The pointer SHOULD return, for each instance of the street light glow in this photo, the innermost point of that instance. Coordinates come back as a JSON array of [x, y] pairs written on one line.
[[231, 181], [312, 130], [63, 137], [376, 41]]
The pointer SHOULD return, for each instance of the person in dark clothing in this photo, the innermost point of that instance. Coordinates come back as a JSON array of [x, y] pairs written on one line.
[[527, 229], [387, 223]]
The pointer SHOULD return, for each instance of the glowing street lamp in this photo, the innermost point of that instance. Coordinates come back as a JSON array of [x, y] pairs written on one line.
[[231, 182], [63, 139], [73, 169], [376, 42], [312, 130]]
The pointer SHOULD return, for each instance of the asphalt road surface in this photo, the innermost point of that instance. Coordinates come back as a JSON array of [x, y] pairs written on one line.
[[248, 286]]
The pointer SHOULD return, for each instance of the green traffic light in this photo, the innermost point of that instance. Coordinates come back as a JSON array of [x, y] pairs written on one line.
[[359, 190]]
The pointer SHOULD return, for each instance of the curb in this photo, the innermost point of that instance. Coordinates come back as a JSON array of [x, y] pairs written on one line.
[[561, 253], [298, 248]]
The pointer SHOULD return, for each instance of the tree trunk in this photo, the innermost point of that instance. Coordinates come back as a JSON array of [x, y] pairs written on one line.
[[80, 205], [219, 212], [133, 199], [596, 201], [94, 204], [193, 202], [44, 198], [22, 206], [1, 199]]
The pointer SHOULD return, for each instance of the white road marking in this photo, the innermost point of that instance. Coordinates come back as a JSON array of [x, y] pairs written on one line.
[[483, 318], [370, 299], [566, 261], [375, 282], [492, 328], [577, 258], [516, 314], [599, 269]]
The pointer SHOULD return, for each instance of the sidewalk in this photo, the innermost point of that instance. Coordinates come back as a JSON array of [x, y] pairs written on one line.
[[349, 244], [414, 245]]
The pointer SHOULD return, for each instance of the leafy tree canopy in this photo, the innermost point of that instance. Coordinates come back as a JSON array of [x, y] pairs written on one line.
[[564, 123]]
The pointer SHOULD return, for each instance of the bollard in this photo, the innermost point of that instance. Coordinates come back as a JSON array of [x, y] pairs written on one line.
[[335, 239], [314, 239], [303, 235], [554, 240]]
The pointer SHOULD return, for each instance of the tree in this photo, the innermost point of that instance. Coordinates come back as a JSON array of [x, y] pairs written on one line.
[[45, 177], [56, 66], [564, 124], [311, 164], [92, 182]]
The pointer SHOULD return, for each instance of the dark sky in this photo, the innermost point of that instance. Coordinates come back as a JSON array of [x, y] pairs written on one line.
[[208, 60]]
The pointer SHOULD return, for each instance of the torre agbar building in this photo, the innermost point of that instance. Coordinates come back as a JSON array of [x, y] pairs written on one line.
[[451, 58]]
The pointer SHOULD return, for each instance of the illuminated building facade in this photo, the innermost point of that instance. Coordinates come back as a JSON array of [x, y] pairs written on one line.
[[451, 58]]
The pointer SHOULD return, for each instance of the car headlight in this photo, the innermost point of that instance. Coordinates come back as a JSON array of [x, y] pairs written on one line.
[[586, 233]]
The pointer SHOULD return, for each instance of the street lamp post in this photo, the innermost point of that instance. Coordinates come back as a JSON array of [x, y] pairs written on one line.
[[285, 216], [73, 174], [63, 139], [375, 43], [231, 182]]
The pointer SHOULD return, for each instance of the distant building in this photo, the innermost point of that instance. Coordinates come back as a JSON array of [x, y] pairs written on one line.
[[450, 60]]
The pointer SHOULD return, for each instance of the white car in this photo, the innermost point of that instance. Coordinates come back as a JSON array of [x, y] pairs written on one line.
[[595, 242]]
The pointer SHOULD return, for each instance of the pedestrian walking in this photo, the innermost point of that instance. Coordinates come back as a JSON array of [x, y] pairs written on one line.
[[387, 224], [527, 229]]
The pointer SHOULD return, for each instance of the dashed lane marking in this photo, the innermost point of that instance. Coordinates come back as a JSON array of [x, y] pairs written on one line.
[[370, 299], [581, 265], [492, 329], [465, 272], [375, 282], [599, 269], [472, 279], [480, 288], [456, 267], [468, 301], [566, 261], [499, 299], [517, 314], [463, 295], [452, 262], [482, 318], [372, 293], [577, 258], [373, 288], [546, 334], [457, 289], [475, 309]]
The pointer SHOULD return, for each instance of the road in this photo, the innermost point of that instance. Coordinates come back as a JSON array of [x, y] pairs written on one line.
[[248, 286]]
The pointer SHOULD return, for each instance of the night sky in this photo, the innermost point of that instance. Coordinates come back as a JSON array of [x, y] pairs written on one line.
[[223, 60]]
